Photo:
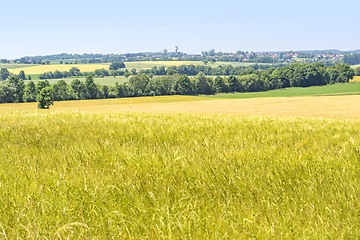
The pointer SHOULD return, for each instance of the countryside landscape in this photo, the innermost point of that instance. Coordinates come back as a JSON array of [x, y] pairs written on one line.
[[153, 139]]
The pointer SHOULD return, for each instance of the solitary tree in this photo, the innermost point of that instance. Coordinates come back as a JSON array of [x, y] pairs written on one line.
[[45, 98]]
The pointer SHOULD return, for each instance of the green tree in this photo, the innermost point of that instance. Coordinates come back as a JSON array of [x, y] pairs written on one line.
[[30, 92], [345, 72], [7, 91], [20, 86], [138, 84], [120, 90], [183, 86], [22, 75], [74, 71], [60, 91], [45, 98], [78, 88], [126, 73], [357, 71], [116, 65], [105, 91], [4, 74], [205, 62], [234, 85], [202, 84], [220, 85], [42, 84], [90, 87], [171, 71]]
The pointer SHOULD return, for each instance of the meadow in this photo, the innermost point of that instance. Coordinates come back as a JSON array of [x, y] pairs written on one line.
[[94, 175], [352, 88], [108, 81]]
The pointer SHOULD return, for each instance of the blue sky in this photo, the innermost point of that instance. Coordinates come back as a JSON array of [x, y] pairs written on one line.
[[41, 27]]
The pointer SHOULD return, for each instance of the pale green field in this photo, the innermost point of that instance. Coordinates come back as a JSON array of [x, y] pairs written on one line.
[[16, 66], [109, 81], [98, 175]]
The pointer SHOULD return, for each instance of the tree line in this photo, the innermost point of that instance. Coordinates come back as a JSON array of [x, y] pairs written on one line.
[[352, 59], [251, 80], [190, 70]]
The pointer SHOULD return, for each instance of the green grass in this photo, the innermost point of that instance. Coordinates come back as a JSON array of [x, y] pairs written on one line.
[[82, 175], [109, 81], [328, 90], [15, 66]]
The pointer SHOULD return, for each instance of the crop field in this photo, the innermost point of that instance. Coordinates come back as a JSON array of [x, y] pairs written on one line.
[[189, 167], [319, 106], [95, 175], [38, 69], [356, 79], [109, 81]]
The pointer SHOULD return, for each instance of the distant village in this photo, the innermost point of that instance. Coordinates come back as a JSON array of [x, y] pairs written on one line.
[[244, 56], [327, 57]]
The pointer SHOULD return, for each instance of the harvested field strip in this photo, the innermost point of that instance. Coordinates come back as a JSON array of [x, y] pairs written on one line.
[[325, 106]]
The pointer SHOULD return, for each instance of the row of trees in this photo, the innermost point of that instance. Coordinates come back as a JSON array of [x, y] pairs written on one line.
[[352, 59], [190, 70], [295, 75], [5, 74], [75, 72]]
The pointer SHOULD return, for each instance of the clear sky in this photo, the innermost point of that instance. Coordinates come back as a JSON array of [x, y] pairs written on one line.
[[40, 27]]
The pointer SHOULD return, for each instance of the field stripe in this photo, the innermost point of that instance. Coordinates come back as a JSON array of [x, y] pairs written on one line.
[[326, 106]]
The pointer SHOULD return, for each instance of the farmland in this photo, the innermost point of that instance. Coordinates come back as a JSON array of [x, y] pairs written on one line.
[[238, 166], [356, 79], [85, 174], [308, 106], [109, 81], [38, 69]]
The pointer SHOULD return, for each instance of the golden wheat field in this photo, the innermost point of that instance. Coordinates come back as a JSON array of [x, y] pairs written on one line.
[[181, 167], [130, 175], [320, 106], [356, 79], [38, 69]]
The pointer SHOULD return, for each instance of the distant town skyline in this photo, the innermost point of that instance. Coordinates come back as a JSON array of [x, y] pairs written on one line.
[[42, 28]]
